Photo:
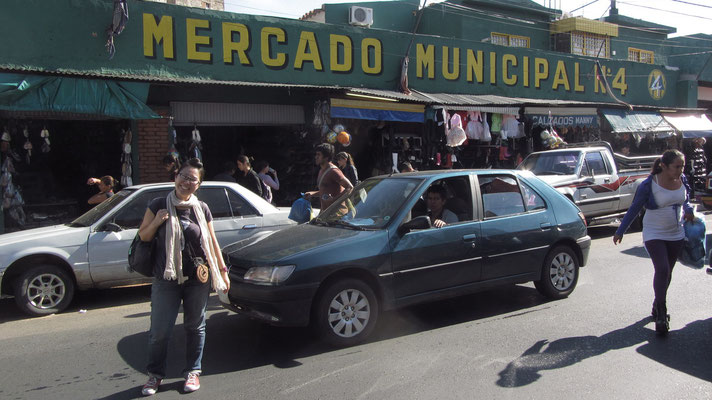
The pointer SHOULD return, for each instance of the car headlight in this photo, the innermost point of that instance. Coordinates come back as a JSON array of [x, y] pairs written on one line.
[[272, 275]]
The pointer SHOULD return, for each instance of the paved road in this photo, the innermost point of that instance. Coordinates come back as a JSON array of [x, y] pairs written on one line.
[[507, 343]]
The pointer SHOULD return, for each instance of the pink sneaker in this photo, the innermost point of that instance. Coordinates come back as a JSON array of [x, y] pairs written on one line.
[[192, 382], [151, 387]]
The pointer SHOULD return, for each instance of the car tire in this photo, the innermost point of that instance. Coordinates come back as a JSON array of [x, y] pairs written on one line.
[[346, 312], [559, 273], [43, 290]]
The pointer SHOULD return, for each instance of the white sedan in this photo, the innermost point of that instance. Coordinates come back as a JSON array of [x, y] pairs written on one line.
[[42, 267]]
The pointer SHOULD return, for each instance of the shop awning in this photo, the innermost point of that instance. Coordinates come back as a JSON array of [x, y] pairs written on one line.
[[691, 125], [111, 99], [377, 110], [624, 121]]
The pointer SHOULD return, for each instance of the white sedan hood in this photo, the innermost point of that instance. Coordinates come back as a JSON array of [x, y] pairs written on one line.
[[56, 236]]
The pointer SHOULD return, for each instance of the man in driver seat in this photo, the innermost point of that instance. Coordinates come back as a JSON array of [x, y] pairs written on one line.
[[439, 215]]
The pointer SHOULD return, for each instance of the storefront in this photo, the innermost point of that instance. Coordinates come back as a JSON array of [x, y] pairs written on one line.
[[56, 133]]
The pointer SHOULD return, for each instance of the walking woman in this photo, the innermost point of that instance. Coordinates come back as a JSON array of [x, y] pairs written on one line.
[[184, 226], [346, 164], [665, 194]]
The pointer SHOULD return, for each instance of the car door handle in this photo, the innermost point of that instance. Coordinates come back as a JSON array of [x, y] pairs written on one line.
[[545, 226], [470, 238], [607, 180], [251, 226]]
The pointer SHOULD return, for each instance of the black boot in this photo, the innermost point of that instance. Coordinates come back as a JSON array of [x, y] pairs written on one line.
[[654, 313], [662, 319]]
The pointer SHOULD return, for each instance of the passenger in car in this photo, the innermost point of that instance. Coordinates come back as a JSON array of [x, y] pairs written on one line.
[[439, 215]]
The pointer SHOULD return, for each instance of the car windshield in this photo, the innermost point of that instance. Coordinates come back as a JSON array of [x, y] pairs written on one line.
[[553, 163], [371, 205], [93, 215]]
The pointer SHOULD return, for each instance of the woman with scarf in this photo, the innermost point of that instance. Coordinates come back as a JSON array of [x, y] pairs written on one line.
[[665, 194], [184, 226]]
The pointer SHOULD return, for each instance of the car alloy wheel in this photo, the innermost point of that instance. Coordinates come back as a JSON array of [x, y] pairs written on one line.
[[43, 290], [346, 312], [562, 271], [349, 312], [559, 273]]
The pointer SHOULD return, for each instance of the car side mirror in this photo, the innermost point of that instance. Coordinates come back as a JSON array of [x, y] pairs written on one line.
[[112, 227], [421, 222]]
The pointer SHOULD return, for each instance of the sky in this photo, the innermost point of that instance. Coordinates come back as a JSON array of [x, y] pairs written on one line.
[[688, 16]]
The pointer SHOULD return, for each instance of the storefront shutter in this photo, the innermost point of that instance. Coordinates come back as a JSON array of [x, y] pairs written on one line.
[[228, 114]]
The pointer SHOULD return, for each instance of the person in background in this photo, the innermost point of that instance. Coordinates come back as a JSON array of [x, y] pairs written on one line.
[[106, 188], [269, 178], [228, 172], [246, 176], [184, 226], [406, 167], [665, 194], [171, 165], [330, 181], [347, 167]]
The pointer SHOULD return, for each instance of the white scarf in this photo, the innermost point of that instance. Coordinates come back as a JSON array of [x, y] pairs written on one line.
[[174, 233]]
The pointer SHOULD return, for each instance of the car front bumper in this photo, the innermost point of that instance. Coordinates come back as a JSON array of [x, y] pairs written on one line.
[[276, 305]]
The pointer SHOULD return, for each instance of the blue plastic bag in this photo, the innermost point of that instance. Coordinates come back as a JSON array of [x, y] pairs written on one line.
[[301, 211], [694, 252]]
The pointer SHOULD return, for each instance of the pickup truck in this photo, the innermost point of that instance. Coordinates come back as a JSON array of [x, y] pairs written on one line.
[[600, 182]]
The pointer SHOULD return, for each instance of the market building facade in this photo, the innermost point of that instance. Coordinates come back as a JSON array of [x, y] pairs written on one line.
[[214, 84]]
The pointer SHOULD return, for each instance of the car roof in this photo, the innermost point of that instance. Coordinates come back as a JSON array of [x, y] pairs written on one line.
[[564, 149], [447, 172], [162, 185]]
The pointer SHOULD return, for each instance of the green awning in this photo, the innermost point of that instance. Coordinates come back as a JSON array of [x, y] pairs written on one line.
[[112, 99], [624, 121]]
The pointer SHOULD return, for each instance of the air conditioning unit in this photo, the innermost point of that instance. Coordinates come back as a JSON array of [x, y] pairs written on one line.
[[360, 16]]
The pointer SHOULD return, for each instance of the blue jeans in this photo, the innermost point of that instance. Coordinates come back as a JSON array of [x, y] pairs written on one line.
[[166, 297]]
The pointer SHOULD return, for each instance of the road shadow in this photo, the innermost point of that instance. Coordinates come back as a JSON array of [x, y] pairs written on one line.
[[685, 349], [236, 343], [93, 299]]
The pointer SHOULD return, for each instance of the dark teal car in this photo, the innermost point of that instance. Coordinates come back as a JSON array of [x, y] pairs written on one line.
[[375, 249]]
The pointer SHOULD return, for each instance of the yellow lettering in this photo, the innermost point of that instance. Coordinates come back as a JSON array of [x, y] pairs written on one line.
[[307, 41], [493, 68], [578, 87], [455, 73], [194, 40], [475, 65], [266, 50], [507, 60], [366, 45], [230, 47], [345, 42], [561, 77], [425, 59], [158, 32], [541, 71], [619, 81], [525, 71], [600, 86]]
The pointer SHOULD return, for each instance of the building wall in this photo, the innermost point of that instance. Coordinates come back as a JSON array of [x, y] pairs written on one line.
[[153, 146], [207, 4]]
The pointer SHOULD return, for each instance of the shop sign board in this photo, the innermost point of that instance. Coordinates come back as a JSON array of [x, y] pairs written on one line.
[[181, 43], [565, 120]]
